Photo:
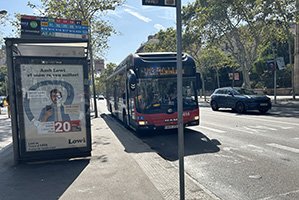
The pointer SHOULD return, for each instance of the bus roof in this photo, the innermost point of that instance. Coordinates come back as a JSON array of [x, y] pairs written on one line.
[[159, 56]]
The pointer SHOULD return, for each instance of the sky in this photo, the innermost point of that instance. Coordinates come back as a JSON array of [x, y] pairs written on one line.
[[133, 21]]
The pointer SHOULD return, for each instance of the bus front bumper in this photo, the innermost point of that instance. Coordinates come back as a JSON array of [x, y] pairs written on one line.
[[166, 127]]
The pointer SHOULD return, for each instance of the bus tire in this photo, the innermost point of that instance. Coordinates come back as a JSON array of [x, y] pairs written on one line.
[[110, 109], [125, 121]]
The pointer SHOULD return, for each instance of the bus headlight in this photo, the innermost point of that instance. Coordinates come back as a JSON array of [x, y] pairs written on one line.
[[196, 118], [142, 123]]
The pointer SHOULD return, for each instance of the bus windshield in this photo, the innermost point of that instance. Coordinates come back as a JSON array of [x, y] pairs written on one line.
[[158, 95]]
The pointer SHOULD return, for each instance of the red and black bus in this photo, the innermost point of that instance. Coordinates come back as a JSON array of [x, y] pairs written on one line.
[[142, 91]]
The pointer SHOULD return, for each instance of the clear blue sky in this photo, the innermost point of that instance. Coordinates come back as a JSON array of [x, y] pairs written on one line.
[[134, 22]]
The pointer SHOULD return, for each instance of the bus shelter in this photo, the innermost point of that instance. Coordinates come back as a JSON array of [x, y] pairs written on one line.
[[49, 98]]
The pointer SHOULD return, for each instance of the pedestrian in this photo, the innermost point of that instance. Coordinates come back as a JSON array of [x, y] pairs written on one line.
[[8, 106]]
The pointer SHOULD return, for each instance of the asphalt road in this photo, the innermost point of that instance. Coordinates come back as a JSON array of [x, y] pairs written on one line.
[[258, 155], [239, 156]]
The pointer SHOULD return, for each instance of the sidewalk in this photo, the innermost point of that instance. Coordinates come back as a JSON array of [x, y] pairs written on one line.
[[121, 168], [110, 173]]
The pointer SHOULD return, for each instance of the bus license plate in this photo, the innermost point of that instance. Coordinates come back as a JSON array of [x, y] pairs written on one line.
[[263, 104], [171, 126]]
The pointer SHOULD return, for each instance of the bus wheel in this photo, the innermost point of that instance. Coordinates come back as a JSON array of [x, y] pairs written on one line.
[[110, 109], [125, 121]]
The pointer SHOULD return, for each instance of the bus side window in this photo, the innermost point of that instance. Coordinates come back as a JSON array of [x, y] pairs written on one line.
[[198, 81]]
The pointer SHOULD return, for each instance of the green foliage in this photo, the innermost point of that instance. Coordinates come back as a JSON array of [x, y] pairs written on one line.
[[3, 76], [260, 75], [100, 82], [167, 42]]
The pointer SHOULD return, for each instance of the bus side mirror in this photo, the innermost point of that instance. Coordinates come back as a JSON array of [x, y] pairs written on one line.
[[198, 81], [132, 82]]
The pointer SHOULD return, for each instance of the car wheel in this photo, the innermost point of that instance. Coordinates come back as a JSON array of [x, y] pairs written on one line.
[[263, 110], [240, 108], [214, 105]]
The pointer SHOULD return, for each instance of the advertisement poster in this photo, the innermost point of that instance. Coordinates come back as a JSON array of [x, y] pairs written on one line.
[[53, 105]]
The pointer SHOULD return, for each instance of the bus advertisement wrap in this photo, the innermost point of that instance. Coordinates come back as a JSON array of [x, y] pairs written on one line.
[[53, 106]]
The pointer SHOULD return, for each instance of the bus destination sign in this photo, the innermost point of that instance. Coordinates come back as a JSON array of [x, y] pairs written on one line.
[[159, 71], [53, 27], [170, 3]]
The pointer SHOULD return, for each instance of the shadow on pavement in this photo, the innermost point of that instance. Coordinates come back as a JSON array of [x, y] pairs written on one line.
[[165, 143], [37, 180]]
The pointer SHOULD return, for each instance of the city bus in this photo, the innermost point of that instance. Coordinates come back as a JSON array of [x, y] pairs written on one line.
[[141, 92]]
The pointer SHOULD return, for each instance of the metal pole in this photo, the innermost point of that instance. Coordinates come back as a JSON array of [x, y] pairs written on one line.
[[180, 100], [6, 85], [92, 74], [93, 83], [12, 101], [273, 52]]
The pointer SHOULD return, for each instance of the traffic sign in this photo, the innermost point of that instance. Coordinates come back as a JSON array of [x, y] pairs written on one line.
[[170, 3]]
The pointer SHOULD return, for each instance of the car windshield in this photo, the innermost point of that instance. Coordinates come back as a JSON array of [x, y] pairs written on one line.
[[158, 95], [244, 91]]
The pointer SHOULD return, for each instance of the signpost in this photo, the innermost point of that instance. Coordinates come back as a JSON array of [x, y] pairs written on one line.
[[53, 27], [170, 3], [177, 4]]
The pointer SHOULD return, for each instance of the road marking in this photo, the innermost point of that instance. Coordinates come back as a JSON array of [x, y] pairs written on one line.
[[280, 195], [263, 127], [210, 129], [286, 148], [255, 148], [260, 118]]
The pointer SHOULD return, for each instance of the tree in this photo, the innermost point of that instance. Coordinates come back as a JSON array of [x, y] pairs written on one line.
[[100, 82], [260, 75], [213, 59], [167, 42], [232, 25], [3, 76], [283, 13], [88, 10]]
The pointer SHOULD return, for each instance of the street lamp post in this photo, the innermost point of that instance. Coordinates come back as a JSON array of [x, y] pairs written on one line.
[[6, 85]]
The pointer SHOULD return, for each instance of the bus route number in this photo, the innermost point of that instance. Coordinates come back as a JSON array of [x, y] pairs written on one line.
[[61, 127]]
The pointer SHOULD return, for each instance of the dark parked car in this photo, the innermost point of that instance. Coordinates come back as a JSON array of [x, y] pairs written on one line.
[[239, 100]]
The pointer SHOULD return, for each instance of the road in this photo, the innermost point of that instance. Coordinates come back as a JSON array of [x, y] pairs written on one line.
[[238, 156], [257, 157]]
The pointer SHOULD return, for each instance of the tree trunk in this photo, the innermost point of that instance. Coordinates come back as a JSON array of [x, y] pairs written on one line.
[[246, 79], [218, 81]]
